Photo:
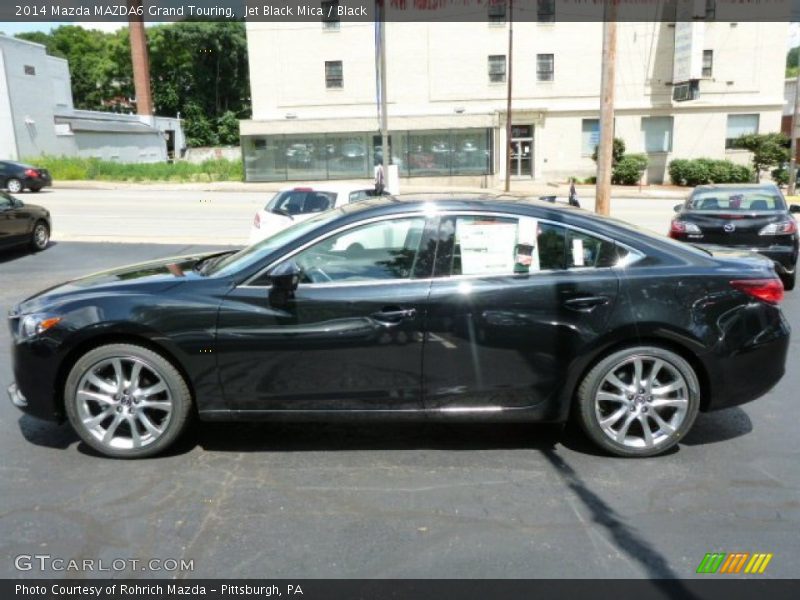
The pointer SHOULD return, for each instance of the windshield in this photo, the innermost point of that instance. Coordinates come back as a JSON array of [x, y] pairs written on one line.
[[258, 252], [301, 202], [745, 200]]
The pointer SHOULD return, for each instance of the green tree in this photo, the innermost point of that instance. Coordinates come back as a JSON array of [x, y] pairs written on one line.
[[769, 149], [792, 62]]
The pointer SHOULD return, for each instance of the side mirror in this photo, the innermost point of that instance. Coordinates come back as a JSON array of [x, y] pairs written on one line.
[[17, 203], [285, 278], [794, 208], [677, 207]]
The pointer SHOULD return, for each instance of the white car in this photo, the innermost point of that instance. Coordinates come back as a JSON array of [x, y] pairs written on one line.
[[298, 203]]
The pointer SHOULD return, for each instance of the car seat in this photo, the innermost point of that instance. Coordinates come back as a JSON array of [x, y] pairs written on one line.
[[758, 205], [709, 204]]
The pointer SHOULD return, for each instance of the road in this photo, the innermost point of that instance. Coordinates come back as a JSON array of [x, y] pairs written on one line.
[[407, 501], [217, 217]]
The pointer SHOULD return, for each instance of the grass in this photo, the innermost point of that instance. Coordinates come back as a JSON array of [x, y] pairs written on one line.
[[64, 168]]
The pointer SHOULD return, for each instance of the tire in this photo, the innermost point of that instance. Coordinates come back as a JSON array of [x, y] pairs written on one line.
[[105, 409], [40, 236], [14, 186], [605, 407], [35, 189], [789, 280]]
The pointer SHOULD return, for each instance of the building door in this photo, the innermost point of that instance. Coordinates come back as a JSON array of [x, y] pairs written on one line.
[[522, 151]]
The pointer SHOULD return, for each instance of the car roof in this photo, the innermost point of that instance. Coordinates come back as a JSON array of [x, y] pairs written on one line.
[[735, 186]]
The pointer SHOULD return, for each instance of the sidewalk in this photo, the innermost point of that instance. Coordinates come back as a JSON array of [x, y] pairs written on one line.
[[518, 188]]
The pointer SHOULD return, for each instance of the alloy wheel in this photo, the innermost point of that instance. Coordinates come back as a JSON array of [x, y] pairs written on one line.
[[124, 403], [14, 186], [641, 401], [41, 236]]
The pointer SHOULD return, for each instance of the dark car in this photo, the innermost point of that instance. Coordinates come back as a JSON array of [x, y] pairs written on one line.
[[16, 177], [752, 217], [22, 223], [480, 309]]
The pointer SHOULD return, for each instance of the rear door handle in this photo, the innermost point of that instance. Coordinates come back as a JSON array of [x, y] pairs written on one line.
[[585, 303], [392, 316]]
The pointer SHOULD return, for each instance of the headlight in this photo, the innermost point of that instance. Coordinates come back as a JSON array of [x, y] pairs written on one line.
[[36, 324]]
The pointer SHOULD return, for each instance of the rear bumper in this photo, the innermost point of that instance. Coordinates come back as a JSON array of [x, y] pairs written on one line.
[[743, 370], [37, 182]]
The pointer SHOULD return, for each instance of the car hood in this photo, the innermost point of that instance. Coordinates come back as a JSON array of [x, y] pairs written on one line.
[[151, 276]]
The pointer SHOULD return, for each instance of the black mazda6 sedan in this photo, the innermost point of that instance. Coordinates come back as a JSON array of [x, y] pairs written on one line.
[[409, 308], [745, 216]]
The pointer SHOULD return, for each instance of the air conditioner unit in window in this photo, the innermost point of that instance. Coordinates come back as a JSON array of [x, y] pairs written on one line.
[[683, 92]]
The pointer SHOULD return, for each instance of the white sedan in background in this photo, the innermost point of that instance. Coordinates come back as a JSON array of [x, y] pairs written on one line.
[[298, 203]]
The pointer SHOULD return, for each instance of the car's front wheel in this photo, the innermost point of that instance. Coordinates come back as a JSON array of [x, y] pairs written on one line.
[[639, 401], [127, 401]]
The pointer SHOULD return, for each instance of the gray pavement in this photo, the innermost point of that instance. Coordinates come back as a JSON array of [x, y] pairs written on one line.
[[421, 500]]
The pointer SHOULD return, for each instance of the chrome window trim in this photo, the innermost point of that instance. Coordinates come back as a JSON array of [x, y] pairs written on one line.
[[632, 257]]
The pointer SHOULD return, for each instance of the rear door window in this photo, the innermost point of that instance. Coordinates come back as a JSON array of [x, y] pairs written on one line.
[[492, 245]]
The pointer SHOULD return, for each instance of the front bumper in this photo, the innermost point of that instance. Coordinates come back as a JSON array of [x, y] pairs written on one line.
[[16, 397]]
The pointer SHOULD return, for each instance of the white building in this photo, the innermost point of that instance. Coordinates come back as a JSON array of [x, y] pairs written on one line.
[[315, 114], [37, 115]]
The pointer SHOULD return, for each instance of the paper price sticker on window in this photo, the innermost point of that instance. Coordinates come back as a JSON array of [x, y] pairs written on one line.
[[578, 259], [487, 246]]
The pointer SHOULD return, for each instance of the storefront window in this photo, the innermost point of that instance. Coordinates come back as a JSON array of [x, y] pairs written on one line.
[[434, 153]]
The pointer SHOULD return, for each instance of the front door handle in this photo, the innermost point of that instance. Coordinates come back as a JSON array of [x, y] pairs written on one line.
[[585, 303], [393, 316]]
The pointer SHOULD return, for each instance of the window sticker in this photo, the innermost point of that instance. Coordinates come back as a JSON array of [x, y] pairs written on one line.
[[487, 246], [527, 254], [577, 253]]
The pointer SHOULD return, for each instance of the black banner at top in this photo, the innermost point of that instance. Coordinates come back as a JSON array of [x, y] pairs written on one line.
[[335, 12]]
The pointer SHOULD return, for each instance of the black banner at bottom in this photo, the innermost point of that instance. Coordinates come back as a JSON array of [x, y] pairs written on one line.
[[399, 589]]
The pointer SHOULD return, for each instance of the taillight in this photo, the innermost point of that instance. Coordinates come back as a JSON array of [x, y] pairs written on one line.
[[768, 290], [780, 228], [31, 173], [678, 227], [257, 221]]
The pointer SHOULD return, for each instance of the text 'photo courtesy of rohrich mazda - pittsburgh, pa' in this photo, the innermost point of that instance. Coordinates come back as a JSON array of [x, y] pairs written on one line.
[[391, 299]]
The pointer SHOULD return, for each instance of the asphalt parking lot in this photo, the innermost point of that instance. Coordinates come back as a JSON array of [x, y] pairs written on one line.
[[410, 500]]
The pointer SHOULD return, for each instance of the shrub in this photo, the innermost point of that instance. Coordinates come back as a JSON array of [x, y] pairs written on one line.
[[706, 170], [629, 170], [617, 152]]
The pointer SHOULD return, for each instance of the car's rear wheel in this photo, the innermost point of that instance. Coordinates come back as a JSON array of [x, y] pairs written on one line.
[[40, 236], [639, 401], [127, 401], [14, 186], [35, 189], [789, 280]]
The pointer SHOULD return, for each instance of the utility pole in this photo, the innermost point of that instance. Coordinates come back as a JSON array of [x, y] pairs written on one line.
[[141, 62], [385, 151], [793, 137], [508, 100], [607, 81]]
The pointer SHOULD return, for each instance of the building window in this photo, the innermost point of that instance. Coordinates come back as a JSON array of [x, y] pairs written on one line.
[[544, 67], [497, 12], [334, 76], [546, 11], [708, 63], [497, 68], [330, 15], [711, 10], [590, 136], [657, 134], [30, 70], [739, 125]]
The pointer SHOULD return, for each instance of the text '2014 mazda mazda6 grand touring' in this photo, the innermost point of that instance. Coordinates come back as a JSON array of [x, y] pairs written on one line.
[[409, 308]]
